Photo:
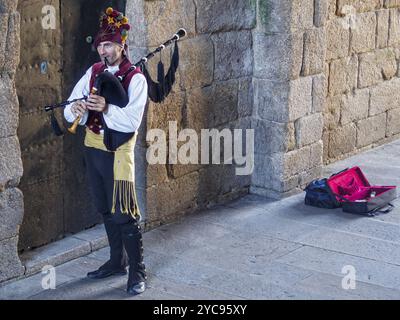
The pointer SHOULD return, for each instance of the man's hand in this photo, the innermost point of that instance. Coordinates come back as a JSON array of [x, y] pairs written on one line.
[[96, 103], [78, 108]]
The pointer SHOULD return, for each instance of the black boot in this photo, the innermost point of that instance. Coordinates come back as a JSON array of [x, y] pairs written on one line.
[[132, 239], [117, 263]]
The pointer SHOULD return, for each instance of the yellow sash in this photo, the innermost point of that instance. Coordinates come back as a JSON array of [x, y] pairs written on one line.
[[124, 172]]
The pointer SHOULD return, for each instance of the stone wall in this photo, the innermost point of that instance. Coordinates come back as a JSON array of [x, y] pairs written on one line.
[[289, 85], [362, 106], [11, 199], [213, 90]]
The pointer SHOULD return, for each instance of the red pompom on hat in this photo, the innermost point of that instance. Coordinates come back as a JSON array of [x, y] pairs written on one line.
[[114, 27]]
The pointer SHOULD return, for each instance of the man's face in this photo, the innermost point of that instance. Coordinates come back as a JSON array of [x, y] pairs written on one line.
[[110, 50]]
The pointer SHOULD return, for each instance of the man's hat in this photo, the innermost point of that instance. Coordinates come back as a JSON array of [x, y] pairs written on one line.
[[114, 27]]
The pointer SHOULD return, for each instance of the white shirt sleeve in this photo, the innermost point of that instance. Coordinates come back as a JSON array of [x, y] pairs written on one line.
[[81, 89], [128, 119]]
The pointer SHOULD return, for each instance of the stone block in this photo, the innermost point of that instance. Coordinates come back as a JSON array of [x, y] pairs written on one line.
[[394, 27], [393, 122], [296, 161], [332, 8], [321, 8], [371, 130], [300, 98], [309, 129], [332, 112], [338, 38], [278, 56], [3, 37], [167, 18], [216, 16], [316, 152], [359, 6], [382, 29], [392, 3], [319, 92], [8, 6], [12, 49], [233, 55], [245, 98], [325, 139], [10, 264], [9, 106], [376, 66], [266, 169], [11, 212], [270, 137], [342, 140], [363, 33], [385, 96], [212, 106], [285, 16], [314, 51], [343, 75], [196, 66], [10, 161], [355, 106], [307, 176]]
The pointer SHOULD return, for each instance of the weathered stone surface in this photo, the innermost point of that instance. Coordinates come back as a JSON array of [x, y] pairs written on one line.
[[12, 49], [319, 92], [296, 161], [9, 107], [271, 100], [374, 67], [166, 17], [385, 96], [382, 30], [245, 98], [325, 140], [307, 176], [3, 36], [371, 130], [212, 106], [338, 37], [233, 55], [309, 129], [267, 168], [332, 8], [332, 112], [10, 161], [342, 140], [314, 51], [394, 27], [11, 212], [363, 33], [355, 106], [393, 122], [343, 75], [391, 3], [300, 97], [270, 137], [10, 265], [278, 57], [137, 18], [196, 66], [213, 16], [360, 6], [316, 151], [285, 16], [321, 8], [8, 6]]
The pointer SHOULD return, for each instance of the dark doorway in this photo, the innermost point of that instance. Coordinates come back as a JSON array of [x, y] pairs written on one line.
[[56, 198]]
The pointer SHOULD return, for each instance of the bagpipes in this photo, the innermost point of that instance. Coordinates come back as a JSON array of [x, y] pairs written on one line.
[[110, 87]]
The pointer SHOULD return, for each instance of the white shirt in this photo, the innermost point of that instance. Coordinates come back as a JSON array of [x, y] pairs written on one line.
[[126, 119]]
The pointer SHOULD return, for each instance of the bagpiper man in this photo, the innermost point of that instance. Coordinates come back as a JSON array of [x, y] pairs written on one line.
[[112, 172]]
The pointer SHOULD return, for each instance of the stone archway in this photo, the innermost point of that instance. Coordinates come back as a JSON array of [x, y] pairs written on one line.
[[11, 198]]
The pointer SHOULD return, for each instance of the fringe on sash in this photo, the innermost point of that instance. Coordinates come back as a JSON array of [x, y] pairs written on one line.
[[125, 191]]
